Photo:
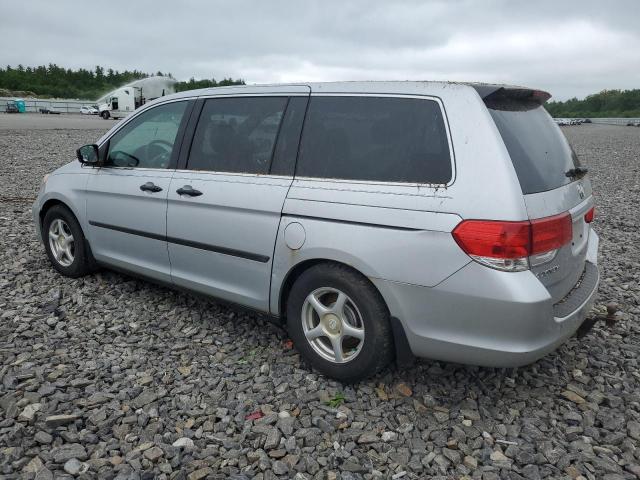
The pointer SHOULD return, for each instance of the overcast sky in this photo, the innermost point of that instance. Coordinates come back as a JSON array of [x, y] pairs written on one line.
[[568, 47]]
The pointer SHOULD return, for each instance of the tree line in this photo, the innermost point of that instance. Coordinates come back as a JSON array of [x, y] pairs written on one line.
[[55, 81], [59, 82], [192, 83], [607, 103]]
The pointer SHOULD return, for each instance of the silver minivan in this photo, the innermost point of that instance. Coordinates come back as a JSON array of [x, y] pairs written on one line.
[[378, 220]]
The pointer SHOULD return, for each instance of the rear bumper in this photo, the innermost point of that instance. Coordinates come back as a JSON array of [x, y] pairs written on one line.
[[486, 317]]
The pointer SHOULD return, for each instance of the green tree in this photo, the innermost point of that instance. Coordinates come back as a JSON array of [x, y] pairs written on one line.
[[193, 84], [55, 81], [607, 103]]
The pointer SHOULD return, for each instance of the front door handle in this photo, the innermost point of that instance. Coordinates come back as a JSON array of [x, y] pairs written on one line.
[[150, 187], [188, 190]]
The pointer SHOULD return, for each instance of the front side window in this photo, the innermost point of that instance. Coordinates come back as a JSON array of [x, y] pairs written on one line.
[[381, 139], [237, 135], [147, 141]]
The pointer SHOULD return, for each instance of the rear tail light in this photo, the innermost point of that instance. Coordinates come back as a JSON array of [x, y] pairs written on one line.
[[588, 217], [550, 233], [512, 246]]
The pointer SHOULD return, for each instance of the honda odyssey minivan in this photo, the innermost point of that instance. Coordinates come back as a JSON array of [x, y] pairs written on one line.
[[377, 220]]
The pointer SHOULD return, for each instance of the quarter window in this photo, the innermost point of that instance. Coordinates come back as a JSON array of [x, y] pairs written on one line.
[[147, 141], [386, 139], [237, 135]]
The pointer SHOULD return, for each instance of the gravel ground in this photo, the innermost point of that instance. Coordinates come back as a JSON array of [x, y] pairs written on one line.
[[37, 121], [112, 377]]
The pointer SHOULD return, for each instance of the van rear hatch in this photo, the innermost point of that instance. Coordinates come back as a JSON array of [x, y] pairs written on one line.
[[552, 180]]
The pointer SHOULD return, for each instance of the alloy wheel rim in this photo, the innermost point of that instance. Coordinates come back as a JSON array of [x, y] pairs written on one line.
[[333, 325], [61, 242]]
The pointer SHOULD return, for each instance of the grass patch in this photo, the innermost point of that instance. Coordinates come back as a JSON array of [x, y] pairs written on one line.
[[337, 400]]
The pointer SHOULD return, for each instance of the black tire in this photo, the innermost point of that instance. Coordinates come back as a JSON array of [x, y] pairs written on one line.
[[105, 115], [83, 262], [377, 348]]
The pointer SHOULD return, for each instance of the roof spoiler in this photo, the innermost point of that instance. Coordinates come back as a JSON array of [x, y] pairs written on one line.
[[511, 98], [493, 93]]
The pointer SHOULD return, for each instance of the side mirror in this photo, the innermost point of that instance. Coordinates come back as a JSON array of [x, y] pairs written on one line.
[[88, 154]]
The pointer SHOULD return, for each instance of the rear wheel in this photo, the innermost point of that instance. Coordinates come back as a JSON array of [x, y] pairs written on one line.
[[339, 323], [65, 243]]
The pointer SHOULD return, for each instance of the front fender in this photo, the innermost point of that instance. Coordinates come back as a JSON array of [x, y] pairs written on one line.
[[68, 189]]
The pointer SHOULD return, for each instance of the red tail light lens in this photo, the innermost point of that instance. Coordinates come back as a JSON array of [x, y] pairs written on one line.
[[588, 217], [507, 245], [550, 233], [487, 238]]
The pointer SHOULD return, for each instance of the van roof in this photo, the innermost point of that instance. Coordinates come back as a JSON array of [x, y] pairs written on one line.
[[391, 87]]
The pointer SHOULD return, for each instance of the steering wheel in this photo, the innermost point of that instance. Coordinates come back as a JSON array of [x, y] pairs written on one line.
[[132, 160], [161, 158]]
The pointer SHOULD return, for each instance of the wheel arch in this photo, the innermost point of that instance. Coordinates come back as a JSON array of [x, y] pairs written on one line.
[[402, 351], [298, 269], [54, 201], [51, 202]]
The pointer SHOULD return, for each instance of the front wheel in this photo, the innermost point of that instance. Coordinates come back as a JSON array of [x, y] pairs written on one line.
[[105, 115], [65, 243], [339, 323]]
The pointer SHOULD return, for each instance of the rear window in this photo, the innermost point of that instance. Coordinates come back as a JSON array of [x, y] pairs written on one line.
[[375, 139], [539, 151]]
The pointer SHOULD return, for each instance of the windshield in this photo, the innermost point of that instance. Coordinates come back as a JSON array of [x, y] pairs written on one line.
[[539, 151]]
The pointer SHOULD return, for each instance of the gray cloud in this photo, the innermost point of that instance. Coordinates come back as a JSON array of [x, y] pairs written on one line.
[[568, 48]]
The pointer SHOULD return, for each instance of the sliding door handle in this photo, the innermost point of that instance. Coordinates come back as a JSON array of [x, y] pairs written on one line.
[[188, 190], [150, 187]]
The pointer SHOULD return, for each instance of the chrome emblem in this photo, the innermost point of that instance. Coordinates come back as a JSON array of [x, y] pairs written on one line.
[[580, 190], [547, 272]]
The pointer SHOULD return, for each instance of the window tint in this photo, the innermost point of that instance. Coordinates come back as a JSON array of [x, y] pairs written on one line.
[[284, 158], [538, 149], [236, 135], [147, 140], [377, 139]]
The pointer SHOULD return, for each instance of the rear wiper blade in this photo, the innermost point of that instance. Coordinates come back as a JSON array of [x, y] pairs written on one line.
[[577, 172]]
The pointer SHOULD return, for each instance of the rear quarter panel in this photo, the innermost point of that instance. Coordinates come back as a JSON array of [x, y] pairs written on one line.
[[417, 256]]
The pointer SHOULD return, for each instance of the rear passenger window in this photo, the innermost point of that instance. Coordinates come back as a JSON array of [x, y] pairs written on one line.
[[376, 139], [237, 135]]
